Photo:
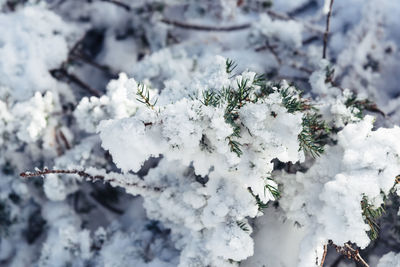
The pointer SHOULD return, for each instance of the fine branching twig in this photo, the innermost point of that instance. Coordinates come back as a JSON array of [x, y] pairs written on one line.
[[347, 251], [328, 18], [90, 177], [197, 27]]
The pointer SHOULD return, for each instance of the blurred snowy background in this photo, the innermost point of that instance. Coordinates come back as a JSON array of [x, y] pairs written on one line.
[[56, 54]]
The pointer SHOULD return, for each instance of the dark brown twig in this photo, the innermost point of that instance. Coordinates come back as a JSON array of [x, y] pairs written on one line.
[[64, 139], [328, 18], [349, 252], [118, 3], [188, 26], [105, 69], [310, 39], [58, 147], [283, 16], [105, 204], [90, 177], [273, 52], [59, 73]]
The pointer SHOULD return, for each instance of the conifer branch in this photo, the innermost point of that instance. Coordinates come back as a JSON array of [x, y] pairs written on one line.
[[371, 214], [143, 94], [313, 135], [243, 225], [363, 105], [230, 66], [197, 27], [261, 205], [273, 190]]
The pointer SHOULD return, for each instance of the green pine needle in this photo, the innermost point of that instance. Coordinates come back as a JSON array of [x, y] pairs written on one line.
[[230, 66], [143, 94], [371, 214], [243, 225], [313, 134]]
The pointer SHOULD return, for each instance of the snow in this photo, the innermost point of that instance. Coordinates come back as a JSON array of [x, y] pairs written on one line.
[[183, 182], [36, 45], [362, 164], [288, 33], [388, 260]]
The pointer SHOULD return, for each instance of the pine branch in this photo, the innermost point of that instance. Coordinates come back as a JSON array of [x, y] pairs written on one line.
[[261, 205], [292, 101], [371, 214], [273, 190], [143, 94], [314, 130], [235, 146], [230, 65], [243, 225], [313, 134], [362, 105]]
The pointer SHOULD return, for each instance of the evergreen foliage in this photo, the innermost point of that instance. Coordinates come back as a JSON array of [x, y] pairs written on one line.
[[371, 214], [143, 94], [315, 130]]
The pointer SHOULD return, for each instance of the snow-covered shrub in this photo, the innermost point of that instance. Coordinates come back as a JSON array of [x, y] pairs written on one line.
[[217, 146], [159, 145]]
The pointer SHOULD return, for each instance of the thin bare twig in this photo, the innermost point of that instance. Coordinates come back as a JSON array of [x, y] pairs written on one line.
[[104, 203], [328, 18], [271, 48], [357, 255], [301, 68], [59, 73], [282, 16], [274, 53], [105, 69], [64, 139], [90, 177], [324, 255], [118, 3], [349, 252], [58, 145], [310, 39], [197, 27]]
